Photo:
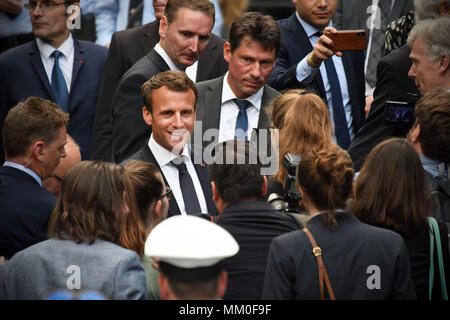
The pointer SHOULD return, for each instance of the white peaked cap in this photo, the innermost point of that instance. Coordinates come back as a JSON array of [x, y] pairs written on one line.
[[188, 242]]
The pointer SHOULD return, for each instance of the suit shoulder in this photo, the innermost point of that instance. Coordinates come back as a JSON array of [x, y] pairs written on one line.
[[271, 92], [208, 84], [93, 47], [14, 55]]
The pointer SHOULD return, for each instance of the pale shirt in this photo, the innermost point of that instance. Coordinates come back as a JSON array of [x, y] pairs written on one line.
[[24, 169], [65, 60], [191, 71], [170, 172], [229, 112], [306, 74]]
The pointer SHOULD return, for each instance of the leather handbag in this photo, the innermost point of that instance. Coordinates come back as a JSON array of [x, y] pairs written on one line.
[[435, 237], [323, 275]]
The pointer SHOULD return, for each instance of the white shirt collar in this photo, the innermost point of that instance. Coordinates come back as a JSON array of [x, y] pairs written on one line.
[[164, 156], [20, 167], [228, 94], [166, 58], [46, 50]]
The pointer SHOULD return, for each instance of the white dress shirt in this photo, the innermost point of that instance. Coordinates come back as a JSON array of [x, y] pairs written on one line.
[[306, 74], [170, 172], [191, 71], [229, 112], [65, 60]]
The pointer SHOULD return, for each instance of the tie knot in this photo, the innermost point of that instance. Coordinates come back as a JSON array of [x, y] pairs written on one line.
[[242, 104], [179, 164], [317, 34], [56, 54]]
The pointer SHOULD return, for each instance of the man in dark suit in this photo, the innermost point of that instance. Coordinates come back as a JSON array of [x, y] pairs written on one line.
[[234, 104], [170, 102], [238, 191], [34, 134], [185, 31], [126, 48], [54, 66], [306, 59]]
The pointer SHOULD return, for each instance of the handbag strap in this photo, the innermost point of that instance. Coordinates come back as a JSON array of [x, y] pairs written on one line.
[[435, 236], [323, 275]]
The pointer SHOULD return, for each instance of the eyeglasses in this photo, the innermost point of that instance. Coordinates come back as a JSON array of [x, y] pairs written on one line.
[[45, 6], [168, 194], [59, 178]]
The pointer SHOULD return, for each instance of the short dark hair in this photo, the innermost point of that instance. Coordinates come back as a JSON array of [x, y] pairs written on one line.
[[173, 80], [204, 6], [235, 181], [32, 119], [260, 28], [432, 113]]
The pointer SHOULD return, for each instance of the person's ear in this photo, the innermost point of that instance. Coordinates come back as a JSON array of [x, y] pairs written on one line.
[[163, 25], [147, 115], [415, 133], [215, 191], [222, 284], [164, 289], [264, 186], [444, 62], [157, 210], [227, 52], [37, 149]]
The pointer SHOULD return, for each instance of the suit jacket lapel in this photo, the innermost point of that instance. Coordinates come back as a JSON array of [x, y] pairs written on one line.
[[158, 60], [352, 85], [79, 60], [263, 121], [36, 62], [213, 104]]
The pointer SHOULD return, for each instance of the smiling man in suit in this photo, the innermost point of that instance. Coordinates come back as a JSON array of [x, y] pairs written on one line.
[[126, 48], [234, 103], [54, 66], [170, 99], [306, 59], [185, 31]]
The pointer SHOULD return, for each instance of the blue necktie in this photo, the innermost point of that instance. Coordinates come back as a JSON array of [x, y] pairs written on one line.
[[240, 131], [340, 121], [190, 198], [59, 84]]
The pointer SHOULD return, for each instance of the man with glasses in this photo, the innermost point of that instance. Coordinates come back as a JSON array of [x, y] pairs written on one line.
[[55, 66], [170, 100]]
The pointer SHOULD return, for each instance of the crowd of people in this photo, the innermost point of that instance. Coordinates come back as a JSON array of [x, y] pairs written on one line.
[[145, 165]]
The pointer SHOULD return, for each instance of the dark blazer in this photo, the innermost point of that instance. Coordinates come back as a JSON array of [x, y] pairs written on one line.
[[126, 48], [355, 254], [22, 74], [25, 208], [253, 224], [352, 14], [295, 45], [392, 84], [209, 104], [145, 154]]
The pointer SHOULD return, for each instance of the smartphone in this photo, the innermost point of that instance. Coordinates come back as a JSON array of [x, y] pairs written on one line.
[[347, 40], [399, 114]]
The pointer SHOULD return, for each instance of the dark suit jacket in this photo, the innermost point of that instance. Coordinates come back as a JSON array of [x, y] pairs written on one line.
[[253, 224], [145, 154], [355, 254], [126, 48], [392, 84], [210, 101], [352, 14], [24, 211], [295, 46], [22, 74]]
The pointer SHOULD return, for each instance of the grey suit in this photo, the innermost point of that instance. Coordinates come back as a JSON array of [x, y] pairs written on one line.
[[54, 264], [129, 130], [209, 104]]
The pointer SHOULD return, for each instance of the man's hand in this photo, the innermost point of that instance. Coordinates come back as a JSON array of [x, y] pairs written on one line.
[[11, 6], [369, 100], [323, 49]]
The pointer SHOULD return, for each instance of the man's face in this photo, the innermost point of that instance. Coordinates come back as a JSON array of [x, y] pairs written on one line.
[[159, 6], [317, 13], [423, 71], [172, 117], [249, 67], [185, 38], [49, 24], [52, 153]]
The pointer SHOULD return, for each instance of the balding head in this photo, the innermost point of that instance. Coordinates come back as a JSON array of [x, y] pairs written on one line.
[[73, 156]]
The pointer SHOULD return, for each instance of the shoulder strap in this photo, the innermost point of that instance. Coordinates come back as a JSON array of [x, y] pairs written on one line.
[[435, 236], [323, 275]]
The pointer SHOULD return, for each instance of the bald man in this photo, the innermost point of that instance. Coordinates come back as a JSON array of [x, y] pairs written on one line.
[[73, 156]]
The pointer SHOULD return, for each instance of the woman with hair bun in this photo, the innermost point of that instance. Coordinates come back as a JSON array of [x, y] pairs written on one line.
[[361, 261]]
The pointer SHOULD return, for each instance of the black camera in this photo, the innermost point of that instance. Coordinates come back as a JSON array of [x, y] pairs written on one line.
[[401, 113], [289, 201]]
